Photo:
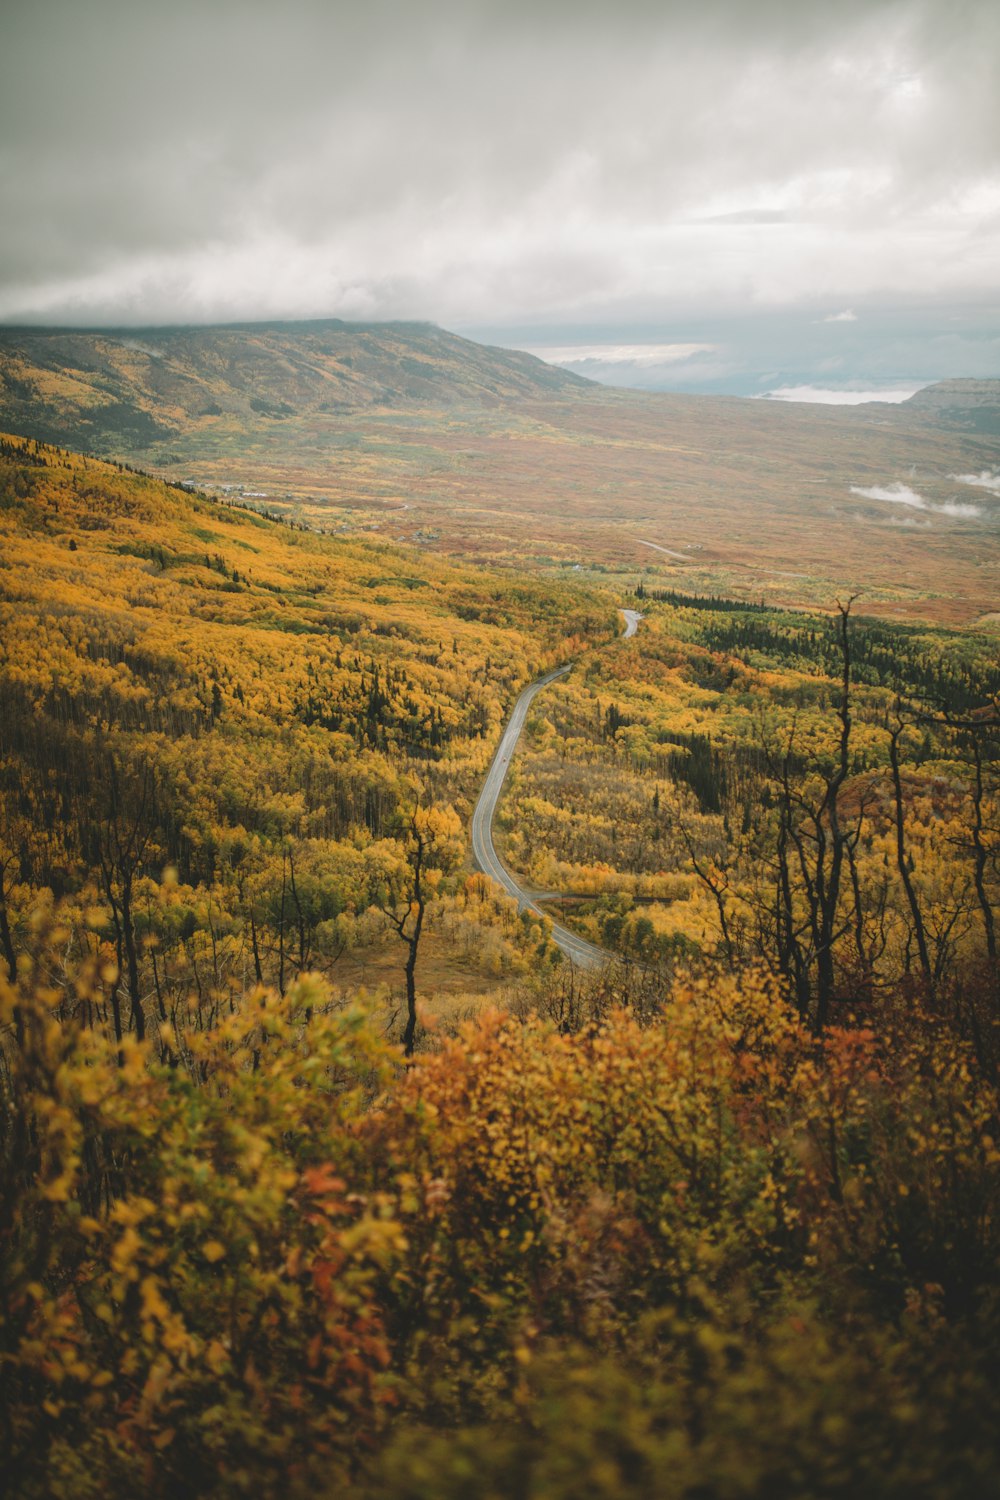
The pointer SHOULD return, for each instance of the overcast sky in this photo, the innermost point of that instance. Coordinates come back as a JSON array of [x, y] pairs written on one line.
[[561, 173]]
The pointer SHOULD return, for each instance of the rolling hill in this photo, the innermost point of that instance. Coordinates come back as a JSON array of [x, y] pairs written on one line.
[[491, 455]]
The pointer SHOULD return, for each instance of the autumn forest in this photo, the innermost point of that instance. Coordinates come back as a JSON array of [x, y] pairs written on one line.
[[326, 1170]]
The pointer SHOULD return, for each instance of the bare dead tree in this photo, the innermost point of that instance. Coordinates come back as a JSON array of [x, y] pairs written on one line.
[[715, 879], [902, 862], [813, 843], [972, 731], [828, 875], [871, 934], [406, 917]]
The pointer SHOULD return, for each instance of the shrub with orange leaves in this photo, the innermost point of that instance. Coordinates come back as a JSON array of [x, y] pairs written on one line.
[[700, 1253]]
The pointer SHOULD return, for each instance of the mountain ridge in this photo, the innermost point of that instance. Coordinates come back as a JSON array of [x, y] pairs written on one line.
[[114, 389]]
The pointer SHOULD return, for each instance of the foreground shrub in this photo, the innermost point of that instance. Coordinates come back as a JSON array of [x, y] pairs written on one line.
[[704, 1256]]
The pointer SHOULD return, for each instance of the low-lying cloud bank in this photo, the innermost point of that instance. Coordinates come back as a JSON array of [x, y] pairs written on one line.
[[983, 481], [843, 396], [902, 494], [583, 358]]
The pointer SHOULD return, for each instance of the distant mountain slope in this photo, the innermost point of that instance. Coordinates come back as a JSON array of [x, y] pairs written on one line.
[[489, 454], [972, 404], [120, 390]]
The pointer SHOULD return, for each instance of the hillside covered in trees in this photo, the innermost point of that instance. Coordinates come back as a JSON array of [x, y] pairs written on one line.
[[194, 688], [720, 1219], [698, 789], [110, 390]]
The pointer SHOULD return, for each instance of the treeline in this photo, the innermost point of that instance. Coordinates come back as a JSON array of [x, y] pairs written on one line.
[[26, 452], [702, 767], [940, 670], [717, 603]]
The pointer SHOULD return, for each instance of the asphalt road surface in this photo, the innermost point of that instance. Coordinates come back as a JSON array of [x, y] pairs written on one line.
[[577, 949]]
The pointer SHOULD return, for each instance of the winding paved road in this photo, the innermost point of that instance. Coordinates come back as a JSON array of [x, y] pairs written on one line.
[[577, 949], [631, 618]]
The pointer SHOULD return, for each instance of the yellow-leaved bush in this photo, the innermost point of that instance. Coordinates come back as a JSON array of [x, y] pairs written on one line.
[[705, 1253]]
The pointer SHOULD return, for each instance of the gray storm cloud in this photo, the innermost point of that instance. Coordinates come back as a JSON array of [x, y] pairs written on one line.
[[473, 162]]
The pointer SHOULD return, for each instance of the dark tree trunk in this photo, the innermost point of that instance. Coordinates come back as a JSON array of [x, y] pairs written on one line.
[[132, 958], [258, 971], [300, 922], [10, 956], [160, 1007], [411, 983], [281, 933], [904, 874], [981, 855], [828, 882]]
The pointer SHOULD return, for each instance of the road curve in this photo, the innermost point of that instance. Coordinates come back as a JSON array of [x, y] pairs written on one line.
[[577, 949], [631, 618]]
